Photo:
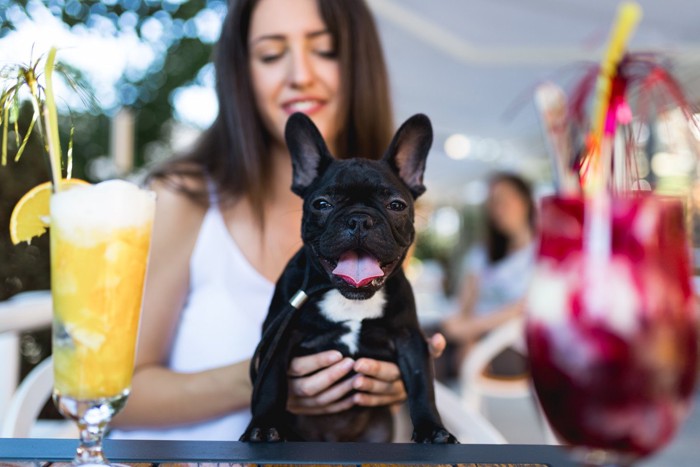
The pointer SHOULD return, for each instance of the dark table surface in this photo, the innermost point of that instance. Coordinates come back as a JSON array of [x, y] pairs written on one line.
[[57, 450]]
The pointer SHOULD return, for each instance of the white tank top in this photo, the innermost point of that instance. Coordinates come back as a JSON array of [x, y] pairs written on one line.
[[220, 323]]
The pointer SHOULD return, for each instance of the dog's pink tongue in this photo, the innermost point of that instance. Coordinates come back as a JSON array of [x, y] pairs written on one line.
[[357, 268]]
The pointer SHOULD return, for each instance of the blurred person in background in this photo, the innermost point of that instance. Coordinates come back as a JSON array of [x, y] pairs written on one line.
[[227, 222], [497, 272]]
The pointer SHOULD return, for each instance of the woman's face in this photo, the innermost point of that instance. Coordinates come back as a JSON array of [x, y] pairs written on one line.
[[507, 208], [294, 66]]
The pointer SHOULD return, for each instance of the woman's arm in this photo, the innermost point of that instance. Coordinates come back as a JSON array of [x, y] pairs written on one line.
[[456, 327], [477, 326], [465, 327], [468, 295], [159, 396]]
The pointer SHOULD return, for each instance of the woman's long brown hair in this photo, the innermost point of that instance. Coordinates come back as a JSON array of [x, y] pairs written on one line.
[[235, 151]]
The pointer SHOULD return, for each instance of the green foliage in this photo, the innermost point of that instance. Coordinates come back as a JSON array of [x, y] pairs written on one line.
[[154, 108], [181, 55]]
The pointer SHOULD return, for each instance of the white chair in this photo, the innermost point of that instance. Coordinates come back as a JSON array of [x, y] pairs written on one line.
[[20, 405], [475, 384], [508, 403], [467, 425], [23, 312], [26, 403]]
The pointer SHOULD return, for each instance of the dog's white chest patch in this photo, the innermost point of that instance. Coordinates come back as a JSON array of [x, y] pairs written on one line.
[[351, 313]]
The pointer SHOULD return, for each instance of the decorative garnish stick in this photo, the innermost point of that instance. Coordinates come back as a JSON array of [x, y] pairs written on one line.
[[552, 107]]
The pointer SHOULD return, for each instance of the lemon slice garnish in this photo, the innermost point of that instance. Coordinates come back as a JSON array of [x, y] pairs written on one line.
[[31, 215]]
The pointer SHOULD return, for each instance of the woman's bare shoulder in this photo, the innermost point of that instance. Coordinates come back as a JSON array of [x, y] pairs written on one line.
[[182, 201]]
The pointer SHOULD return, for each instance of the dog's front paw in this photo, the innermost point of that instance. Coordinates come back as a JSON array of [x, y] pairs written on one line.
[[435, 435], [256, 434]]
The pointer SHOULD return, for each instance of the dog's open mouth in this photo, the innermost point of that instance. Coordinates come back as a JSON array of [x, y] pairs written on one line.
[[358, 268]]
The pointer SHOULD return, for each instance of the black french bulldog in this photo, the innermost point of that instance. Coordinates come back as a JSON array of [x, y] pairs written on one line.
[[345, 289]]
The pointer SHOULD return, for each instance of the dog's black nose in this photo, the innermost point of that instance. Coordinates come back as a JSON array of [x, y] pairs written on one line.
[[358, 222]]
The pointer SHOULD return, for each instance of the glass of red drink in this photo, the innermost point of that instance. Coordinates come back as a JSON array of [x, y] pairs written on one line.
[[612, 331]]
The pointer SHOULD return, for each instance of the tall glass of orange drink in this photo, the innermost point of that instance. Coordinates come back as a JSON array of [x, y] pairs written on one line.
[[100, 238]]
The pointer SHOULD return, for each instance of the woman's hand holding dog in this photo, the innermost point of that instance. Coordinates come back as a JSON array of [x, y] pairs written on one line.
[[316, 384]]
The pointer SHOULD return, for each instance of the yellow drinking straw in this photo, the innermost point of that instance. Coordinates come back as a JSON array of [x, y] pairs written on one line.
[[628, 16], [597, 222]]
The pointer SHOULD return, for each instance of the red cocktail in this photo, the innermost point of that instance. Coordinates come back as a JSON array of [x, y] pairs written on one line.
[[612, 331]]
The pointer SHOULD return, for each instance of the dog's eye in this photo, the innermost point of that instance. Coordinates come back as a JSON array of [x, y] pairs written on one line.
[[397, 205], [322, 204]]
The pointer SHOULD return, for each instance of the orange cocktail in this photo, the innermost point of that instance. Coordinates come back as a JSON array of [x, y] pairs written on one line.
[[100, 237]]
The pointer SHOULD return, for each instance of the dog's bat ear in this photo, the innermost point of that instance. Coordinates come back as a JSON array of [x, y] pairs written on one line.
[[408, 151], [310, 156]]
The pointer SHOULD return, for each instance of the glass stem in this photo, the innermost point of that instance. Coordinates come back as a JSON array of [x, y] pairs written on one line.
[[90, 449]]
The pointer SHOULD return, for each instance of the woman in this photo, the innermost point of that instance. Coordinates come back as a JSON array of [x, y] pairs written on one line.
[[497, 274], [227, 222]]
